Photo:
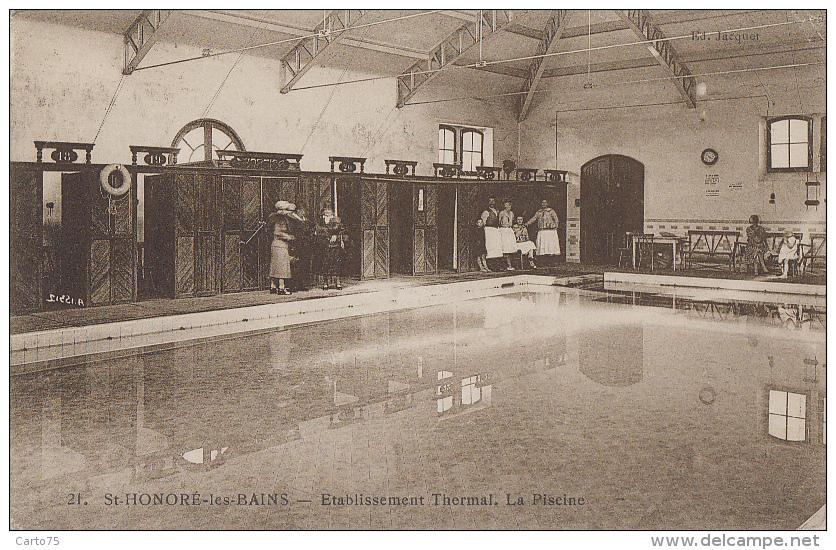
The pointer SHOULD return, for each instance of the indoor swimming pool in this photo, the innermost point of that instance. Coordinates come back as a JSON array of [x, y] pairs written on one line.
[[546, 408]]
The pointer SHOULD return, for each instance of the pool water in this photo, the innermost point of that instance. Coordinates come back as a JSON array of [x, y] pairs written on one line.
[[552, 408]]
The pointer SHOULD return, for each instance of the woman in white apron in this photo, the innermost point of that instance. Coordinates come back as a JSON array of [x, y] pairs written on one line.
[[548, 243]]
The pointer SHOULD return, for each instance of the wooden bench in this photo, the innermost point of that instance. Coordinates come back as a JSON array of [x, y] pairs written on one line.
[[818, 249], [711, 243]]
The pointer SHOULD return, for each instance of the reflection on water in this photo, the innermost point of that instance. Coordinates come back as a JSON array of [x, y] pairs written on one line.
[[613, 356], [658, 419], [808, 313]]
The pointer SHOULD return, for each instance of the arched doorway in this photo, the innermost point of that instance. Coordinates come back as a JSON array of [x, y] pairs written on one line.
[[612, 203]]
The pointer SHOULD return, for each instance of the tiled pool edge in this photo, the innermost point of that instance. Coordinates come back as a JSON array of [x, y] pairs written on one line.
[[722, 284], [54, 344]]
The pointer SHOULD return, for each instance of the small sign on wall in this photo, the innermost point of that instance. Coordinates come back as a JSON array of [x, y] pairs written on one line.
[[712, 185]]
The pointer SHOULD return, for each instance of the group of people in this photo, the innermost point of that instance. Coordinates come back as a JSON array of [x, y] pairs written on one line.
[[303, 248], [500, 234], [789, 254]]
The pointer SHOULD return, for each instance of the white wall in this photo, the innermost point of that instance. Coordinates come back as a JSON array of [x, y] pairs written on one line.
[[564, 131], [63, 79]]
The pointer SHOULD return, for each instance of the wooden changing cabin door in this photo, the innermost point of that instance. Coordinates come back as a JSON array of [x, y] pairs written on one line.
[[26, 236], [244, 233], [425, 229], [374, 220], [349, 206], [182, 234], [97, 250], [401, 226]]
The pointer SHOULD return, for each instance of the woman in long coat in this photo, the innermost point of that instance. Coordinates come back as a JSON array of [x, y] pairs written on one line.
[[279, 250]]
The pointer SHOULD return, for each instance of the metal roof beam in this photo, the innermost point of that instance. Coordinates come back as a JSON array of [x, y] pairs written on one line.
[[309, 49], [702, 57], [452, 49], [257, 23], [664, 52], [551, 36], [141, 36]]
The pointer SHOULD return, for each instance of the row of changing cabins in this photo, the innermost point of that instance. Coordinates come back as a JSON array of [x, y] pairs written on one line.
[[203, 223]]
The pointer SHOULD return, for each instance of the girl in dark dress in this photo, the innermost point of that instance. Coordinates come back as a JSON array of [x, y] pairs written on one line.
[[480, 250], [301, 249], [330, 238]]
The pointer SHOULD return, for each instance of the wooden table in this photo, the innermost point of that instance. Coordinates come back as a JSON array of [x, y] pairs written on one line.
[[674, 242]]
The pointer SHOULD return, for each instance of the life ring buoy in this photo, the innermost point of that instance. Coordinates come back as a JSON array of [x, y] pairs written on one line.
[[104, 179]]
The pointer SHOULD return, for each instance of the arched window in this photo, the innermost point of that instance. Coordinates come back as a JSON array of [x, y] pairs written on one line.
[[200, 140], [789, 142], [446, 145], [471, 150]]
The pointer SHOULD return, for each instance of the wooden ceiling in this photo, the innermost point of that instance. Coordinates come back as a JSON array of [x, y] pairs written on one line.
[[596, 47]]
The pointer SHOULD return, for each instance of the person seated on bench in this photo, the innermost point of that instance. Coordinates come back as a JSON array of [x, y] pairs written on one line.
[[524, 243], [756, 246], [789, 257]]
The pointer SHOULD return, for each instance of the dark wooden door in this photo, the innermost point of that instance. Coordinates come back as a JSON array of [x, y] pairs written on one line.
[[207, 237], [159, 259], [26, 235], [446, 225], [467, 210], [401, 228], [612, 203], [74, 248], [348, 210]]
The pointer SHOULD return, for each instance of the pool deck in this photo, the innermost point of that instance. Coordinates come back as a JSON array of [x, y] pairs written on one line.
[[42, 339], [114, 329], [161, 307], [749, 285]]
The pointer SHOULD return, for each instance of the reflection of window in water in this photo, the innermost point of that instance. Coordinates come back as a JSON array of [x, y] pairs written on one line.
[[788, 415], [198, 456], [444, 392], [470, 392]]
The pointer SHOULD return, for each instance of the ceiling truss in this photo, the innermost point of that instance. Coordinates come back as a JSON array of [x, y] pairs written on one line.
[[451, 50], [141, 36], [551, 36], [259, 23], [664, 52], [309, 49]]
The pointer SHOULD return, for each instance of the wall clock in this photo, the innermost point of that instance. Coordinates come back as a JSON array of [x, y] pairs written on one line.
[[709, 156]]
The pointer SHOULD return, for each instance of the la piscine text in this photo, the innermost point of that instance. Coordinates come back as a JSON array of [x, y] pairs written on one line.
[[443, 499]]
